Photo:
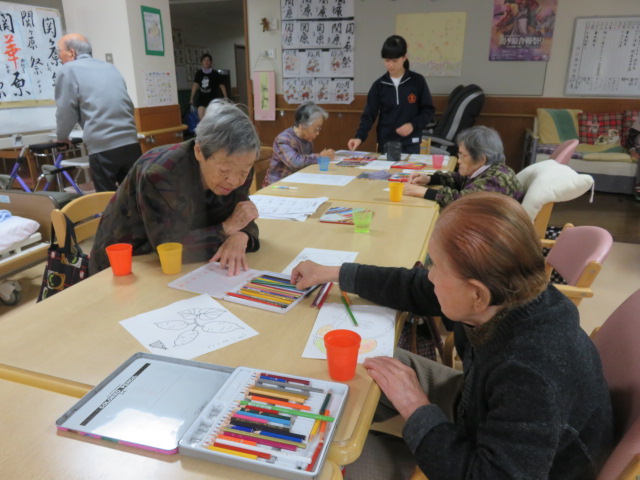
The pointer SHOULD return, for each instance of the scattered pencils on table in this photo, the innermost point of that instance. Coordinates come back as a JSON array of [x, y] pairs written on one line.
[[347, 304], [322, 295]]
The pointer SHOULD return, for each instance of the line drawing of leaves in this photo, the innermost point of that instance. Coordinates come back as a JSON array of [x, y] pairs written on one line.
[[185, 337], [172, 324], [190, 315], [219, 327], [213, 313]]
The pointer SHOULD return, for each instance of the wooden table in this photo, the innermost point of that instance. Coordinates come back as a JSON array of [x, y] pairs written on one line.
[[38, 451], [73, 340], [358, 190]]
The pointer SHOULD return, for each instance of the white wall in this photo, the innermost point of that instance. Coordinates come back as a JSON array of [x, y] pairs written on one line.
[[375, 20]]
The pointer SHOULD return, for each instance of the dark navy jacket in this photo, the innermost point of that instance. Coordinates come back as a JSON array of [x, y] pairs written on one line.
[[411, 102]]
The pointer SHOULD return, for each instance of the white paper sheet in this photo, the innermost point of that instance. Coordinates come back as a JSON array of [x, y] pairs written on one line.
[[403, 156], [319, 179], [377, 165], [349, 153], [211, 279], [375, 326], [330, 258], [286, 208], [188, 328], [428, 159]]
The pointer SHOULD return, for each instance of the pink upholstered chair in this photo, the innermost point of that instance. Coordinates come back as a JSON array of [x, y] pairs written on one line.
[[563, 152], [618, 342], [577, 255]]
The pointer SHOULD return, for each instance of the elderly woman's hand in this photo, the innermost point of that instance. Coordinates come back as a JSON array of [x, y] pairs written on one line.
[[232, 254], [242, 215], [399, 383], [418, 178], [307, 274], [414, 190]]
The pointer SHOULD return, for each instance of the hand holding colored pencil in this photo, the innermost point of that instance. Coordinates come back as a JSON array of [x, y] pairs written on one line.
[[347, 304]]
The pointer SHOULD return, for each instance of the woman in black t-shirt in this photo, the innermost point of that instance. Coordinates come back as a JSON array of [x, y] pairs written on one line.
[[208, 84]]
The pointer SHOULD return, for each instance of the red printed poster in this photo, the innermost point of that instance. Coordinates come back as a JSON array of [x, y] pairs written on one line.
[[522, 29], [264, 95]]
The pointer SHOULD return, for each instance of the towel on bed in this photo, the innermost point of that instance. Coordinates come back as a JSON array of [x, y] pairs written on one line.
[[15, 229]]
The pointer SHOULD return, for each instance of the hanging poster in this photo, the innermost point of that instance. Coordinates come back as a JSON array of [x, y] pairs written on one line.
[[264, 95], [28, 54], [522, 29], [317, 50]]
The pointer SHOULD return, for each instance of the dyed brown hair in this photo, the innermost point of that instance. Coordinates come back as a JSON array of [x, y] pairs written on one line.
[[490, 238]]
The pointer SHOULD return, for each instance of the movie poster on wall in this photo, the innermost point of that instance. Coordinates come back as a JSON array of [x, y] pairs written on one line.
[[522, 30]]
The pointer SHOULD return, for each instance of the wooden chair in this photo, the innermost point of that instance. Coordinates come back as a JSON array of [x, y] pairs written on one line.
[[618, 343], [577, 255], [260, 168], [84, 212]]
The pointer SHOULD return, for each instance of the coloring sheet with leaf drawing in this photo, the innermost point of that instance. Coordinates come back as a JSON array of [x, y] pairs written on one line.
[[330, 258], [188, 328], [375, 326]]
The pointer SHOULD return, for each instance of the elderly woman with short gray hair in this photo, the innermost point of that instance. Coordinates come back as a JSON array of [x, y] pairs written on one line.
[[481, 167], [293, 148]]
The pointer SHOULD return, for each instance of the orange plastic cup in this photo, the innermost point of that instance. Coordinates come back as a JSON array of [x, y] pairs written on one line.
[[395, 191], [342, 353], [120, 258], [170, 258], [437, 161]]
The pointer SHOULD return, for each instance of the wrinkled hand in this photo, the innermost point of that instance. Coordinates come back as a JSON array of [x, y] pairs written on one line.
[[308, 273], [328, 152], [242, 215], [353, 143], [398, 382], [412, 190], [419, 179], [404, 130], [232, 254]]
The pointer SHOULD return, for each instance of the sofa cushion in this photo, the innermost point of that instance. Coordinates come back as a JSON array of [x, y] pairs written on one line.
[[550, 181], [600, 128], [557, 125], [629, 118]]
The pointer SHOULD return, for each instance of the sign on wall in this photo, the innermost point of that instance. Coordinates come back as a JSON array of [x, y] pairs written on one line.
[[28, 55]]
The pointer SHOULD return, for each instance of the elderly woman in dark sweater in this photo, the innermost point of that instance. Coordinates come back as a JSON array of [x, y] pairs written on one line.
[[531, 401], [481, 168]]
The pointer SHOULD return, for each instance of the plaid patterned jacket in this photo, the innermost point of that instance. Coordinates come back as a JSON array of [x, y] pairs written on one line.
[[162, 200], [290, 154]]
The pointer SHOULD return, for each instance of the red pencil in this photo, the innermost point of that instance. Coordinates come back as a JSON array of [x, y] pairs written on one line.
[[326, 294], [315, 455]]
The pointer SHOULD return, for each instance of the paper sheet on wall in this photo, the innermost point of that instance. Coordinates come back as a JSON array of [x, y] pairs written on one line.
[[330, 258], [286, 208], [375, 326], [318, 179], [188, 328]]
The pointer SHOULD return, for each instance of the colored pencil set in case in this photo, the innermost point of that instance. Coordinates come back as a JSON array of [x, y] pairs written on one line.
[[269, 291], [263, 421]]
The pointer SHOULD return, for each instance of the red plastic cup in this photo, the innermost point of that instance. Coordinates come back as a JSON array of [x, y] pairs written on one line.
[[120, 258], [437, 161], [342, 353]]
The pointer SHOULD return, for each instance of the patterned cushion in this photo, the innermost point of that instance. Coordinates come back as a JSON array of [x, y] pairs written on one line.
[[600, 128], [630, 116], [557, 125]]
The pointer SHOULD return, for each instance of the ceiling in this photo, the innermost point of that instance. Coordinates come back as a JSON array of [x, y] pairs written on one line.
[[204, 8]]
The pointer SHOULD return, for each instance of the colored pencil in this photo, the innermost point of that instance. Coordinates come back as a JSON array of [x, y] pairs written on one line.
[[274, 401], [346, 305], [275, 304], [326, 294], [314, 458], [266, 456], [277, 384], [299, 413], [233, 452], [285, 379]]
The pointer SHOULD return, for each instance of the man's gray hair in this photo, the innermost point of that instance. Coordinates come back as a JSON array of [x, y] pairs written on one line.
[[80, 44], [482, 141], [307, 113], [225, 127]]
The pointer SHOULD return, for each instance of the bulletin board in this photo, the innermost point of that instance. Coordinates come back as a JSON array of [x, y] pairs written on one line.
[[605, 57], [28, 58]]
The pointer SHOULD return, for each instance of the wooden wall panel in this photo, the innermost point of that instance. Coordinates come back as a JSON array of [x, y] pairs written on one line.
[[510, 116], [150, 119]]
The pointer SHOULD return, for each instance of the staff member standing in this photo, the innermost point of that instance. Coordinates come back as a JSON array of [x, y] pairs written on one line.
[[93, 93], [400, 100], [208, 84]]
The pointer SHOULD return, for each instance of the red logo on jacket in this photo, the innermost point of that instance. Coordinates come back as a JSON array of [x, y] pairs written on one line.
[[412, 98]]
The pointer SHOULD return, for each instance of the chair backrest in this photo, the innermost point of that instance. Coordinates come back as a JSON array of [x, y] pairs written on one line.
[[563, 152], [260, 168], [84, 212], [464, 105], [618, 343], [579, 253]]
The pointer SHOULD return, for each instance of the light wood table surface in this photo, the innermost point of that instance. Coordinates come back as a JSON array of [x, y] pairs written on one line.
[[73, 340], [34, 449], [357, 190]]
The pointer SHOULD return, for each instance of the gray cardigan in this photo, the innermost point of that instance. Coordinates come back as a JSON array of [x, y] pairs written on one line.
[[534, 403], [93, 93]]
